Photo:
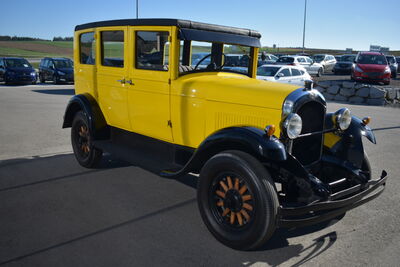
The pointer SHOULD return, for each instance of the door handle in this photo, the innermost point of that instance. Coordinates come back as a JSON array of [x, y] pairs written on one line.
[[121, 81], [129, 82]]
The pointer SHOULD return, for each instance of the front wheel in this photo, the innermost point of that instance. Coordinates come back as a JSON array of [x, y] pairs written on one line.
[[320, 71], [237, 200], [82, 142]]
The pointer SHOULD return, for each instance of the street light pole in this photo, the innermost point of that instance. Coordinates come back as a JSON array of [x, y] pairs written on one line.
[[137, 9], [304, 27]]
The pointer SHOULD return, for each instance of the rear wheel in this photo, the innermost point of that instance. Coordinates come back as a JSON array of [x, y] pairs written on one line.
[[82, 142], [237, 200]]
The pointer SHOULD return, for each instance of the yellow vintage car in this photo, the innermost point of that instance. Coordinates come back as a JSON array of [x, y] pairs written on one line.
[[182, 92]]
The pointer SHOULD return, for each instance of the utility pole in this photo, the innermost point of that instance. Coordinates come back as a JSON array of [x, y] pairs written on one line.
[[304, 27], [137, 9]]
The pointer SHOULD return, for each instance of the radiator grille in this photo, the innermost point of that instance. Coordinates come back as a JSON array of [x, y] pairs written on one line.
[[308, 149]]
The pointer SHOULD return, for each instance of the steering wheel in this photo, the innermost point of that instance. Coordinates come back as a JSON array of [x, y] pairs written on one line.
[[201, 60], [206, 56]]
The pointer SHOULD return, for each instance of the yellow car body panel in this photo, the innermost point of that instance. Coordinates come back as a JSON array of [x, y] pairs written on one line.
[[206, 102], [184, 109]]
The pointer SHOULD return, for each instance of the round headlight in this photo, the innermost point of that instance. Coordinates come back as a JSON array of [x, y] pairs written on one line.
[[342, 118], [293, 125]]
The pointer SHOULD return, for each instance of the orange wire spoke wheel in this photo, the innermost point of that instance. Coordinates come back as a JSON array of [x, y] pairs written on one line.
[[83, 140], [232, 202]]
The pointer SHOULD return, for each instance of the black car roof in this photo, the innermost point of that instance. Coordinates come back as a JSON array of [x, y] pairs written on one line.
[[186, 24]]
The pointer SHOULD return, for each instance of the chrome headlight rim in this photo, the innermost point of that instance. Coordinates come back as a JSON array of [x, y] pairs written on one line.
[[342, 119], [293, 125]]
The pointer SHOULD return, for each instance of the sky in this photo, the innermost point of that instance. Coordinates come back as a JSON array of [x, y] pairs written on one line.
[[336, 24]]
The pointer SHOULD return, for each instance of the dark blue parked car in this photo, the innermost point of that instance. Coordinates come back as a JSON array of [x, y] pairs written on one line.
[[58, 70], [16, 70]]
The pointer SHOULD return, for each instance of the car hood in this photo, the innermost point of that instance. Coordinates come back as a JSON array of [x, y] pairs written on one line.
[[234, 88], [20, 69], [372, 67]]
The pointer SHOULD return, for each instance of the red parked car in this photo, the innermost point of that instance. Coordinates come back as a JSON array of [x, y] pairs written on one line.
[[371, 66]]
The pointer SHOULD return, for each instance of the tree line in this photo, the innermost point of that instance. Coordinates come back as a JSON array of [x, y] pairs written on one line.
[[18, 38]]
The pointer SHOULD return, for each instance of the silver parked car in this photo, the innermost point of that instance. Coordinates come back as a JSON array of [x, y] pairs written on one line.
[[327, 61], [312, 67], [283, 74], [393, 65]]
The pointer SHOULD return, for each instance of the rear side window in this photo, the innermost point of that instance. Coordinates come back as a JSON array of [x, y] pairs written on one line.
[[285, 60], [295, 72], [112, 48], [152, 50], [87, 48], [300, 59]]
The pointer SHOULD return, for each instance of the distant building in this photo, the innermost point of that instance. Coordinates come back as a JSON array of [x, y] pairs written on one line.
[[378, 48]]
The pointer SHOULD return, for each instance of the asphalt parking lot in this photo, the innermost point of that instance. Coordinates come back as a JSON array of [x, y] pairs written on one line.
[[55, 213]]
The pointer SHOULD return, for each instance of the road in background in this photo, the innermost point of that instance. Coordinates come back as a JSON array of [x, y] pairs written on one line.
[[55, 213]]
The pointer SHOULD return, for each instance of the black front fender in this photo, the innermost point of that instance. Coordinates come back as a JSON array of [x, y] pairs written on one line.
[[350, 146], [248, 139]]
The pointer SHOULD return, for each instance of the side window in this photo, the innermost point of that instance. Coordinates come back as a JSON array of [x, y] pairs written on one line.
[[309, 60], [112, 48], [1, 63], [152, 50], [285, 72], [295, 72], [301, 60], [87, 48]]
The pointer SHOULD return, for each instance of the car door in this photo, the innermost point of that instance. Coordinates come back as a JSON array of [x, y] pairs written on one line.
[[112, 74], [310, 66], [149, 85], [284, 75], [2, 69], [297, 78]]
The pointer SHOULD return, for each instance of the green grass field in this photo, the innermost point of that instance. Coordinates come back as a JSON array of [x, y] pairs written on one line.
[[38, 49]]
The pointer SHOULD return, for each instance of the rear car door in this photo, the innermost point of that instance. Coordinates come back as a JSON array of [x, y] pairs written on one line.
[[2, 69], [149, 85], [112, 73], [297, 78]]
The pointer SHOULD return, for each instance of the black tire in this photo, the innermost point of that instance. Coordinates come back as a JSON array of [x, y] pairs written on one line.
[[55, 79], [81, 138], [257, 224], [320, 72], [41, 78]]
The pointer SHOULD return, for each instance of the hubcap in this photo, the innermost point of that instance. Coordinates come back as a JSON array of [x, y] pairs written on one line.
[[233, 201]]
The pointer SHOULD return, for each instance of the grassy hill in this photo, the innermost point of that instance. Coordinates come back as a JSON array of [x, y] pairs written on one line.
[[38, 49], [35, 49]]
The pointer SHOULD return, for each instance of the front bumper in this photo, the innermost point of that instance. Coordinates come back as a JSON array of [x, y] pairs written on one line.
[[337, 204]]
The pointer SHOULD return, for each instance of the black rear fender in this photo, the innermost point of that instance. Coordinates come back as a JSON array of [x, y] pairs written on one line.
[[87, 104]]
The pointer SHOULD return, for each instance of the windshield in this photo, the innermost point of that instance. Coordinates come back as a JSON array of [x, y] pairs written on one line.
[[63, 63], [372, 59], [285, 60], [267, 71], [318, 58], [198, 56], [347, 58], [17, 63], [391, 60]]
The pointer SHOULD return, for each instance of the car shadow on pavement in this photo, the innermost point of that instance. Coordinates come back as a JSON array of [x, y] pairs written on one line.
[[30, 174], [56, 91]]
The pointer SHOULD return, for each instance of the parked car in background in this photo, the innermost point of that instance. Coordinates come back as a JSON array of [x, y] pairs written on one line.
[[393, 65], [265, 58], [398, 63], [372, 67], [337, 57], [283, 74], [56, 69], [327, 61], [16, 70], [343, 66], [312, 67]]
